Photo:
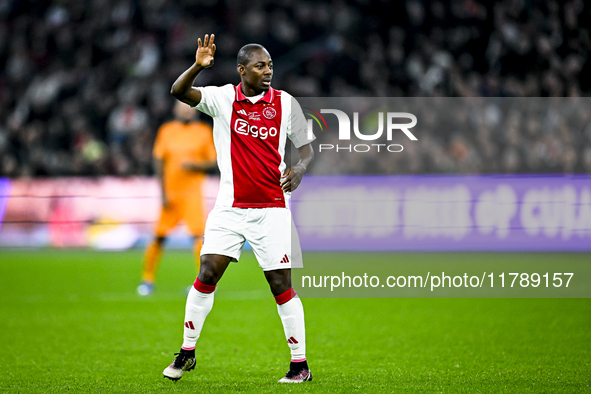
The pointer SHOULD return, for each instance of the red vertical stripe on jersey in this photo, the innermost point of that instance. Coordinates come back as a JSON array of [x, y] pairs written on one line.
[[255, 151]]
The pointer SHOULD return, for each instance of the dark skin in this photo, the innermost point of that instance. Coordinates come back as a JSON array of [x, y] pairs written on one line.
[[256, 78]]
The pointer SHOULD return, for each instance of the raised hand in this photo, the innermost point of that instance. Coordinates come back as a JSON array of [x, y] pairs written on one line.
[[205, 51]]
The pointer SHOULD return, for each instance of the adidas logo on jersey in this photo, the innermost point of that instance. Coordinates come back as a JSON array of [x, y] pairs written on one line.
[[242, 112], [285, 259]]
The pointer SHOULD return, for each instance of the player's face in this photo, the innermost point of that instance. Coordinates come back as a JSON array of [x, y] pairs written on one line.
[[259, 71]]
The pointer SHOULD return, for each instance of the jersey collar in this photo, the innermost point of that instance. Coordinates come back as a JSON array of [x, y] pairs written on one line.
[[267, 98]]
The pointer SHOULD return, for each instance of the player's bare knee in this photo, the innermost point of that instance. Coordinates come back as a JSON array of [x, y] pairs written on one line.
[[212, 268], [208, 274], [279, 283]]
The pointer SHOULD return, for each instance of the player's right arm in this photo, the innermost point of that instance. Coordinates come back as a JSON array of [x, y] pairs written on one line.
[[182, 89]]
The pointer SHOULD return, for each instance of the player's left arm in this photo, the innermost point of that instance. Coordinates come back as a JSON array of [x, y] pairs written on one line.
[[297, 132], [292, 177]]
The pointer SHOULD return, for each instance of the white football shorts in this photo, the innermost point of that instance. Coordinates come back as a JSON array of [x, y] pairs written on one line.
[[270, 232]]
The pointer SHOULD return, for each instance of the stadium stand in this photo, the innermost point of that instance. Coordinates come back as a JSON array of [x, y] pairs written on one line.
[[81, 80]]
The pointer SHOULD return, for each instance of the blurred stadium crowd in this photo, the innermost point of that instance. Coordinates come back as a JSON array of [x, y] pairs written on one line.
[[85, 84]]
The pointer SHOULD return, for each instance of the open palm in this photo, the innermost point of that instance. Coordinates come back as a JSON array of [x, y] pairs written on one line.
[[205, 51]]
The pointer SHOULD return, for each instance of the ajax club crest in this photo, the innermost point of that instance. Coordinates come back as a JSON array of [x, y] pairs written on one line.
[[269, 113]]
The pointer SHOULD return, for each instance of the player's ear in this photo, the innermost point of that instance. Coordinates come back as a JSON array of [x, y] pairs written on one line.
[[241, 69]]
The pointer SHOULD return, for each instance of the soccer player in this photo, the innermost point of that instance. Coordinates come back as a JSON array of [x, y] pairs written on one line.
[[182, 154], [251, 123]]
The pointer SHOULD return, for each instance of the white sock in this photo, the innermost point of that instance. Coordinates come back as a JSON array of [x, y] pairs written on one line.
[[292, 317], [198, 307]]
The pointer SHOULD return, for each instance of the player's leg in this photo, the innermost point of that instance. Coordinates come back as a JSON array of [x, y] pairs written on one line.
[[194, 217], [152, 257], [275, 250], [197, 245], [291, 312], [222, 245], [200, 298], [169, 218], [199, 304]]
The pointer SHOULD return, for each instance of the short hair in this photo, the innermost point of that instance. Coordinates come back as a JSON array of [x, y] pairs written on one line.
[[245, 53]]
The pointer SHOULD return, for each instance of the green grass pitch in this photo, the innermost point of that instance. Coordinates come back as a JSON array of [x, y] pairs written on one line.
[[70, 321]]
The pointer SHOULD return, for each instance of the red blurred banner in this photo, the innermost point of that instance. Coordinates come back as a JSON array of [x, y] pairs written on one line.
[[106, 213]]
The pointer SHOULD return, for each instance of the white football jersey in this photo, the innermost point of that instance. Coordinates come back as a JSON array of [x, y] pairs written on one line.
[[250, 141]]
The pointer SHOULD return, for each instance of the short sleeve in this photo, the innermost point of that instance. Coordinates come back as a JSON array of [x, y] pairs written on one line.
[[212, 99], [297, 126]]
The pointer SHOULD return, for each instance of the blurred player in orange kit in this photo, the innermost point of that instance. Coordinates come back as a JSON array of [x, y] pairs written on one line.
[[182, 154]]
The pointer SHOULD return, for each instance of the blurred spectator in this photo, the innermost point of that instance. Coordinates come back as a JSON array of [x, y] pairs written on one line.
[[128, 118]]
